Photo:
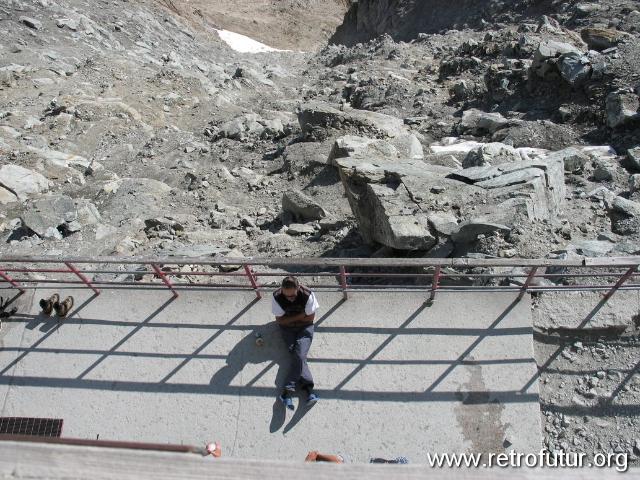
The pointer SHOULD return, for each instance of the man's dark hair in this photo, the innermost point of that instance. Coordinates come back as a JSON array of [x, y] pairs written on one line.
[[290, 282]]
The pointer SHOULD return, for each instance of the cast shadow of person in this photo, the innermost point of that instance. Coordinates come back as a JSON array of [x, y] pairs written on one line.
[[273, 352]]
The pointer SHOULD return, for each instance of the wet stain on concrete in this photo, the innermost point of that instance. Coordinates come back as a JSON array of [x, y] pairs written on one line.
[[478, 415]]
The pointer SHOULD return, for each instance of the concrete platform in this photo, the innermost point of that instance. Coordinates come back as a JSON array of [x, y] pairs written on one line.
[[396, 377]]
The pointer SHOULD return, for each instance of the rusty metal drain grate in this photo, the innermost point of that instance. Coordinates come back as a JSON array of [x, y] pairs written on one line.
[[40, 427]]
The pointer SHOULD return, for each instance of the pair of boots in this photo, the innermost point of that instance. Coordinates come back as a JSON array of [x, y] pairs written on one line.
[[54, 303]]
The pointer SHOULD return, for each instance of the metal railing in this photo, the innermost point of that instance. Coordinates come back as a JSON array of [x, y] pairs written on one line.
[[432, 275]]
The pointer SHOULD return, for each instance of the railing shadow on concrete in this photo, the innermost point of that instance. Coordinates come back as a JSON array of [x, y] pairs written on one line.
[[245, 352]]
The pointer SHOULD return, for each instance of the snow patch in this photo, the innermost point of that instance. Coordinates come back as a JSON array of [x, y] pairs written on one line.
[[244, 44]]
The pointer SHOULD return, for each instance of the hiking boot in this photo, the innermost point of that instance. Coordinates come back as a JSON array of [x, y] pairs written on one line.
[[63, 308], [286, 400], [48, 304]]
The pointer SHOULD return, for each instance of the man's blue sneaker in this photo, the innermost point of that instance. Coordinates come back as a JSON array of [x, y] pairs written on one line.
[[312, 399], [286, 401]]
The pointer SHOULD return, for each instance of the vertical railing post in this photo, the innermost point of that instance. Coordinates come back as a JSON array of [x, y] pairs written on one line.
[[435, 283], [164, 279], [84, 279], [252, 278], [343, 282], [12, 281], [527, 282], [619, 283]]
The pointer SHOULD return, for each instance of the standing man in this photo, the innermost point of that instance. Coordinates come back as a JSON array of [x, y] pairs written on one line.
[[294, 307]]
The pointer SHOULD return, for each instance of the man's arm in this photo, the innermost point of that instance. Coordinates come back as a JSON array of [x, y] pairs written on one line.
[[298, 320]]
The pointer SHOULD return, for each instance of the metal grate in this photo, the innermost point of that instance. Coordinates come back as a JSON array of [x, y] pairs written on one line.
[[40, 427]]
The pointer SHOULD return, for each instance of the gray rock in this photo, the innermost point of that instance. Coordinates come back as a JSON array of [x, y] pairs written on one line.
[[300, 156], [633, 157], [512, 178], [470, 230], [195, 251], [218, 220], [627, 207], [604, 171], [87, 213], [301, 207], [574, 160], [300, 229], [242, 127], [52, 233], [128, 198], [104, 231], [47, 213], [320, 120], [22, 182], [403, 146], [634, 183], [625, 216], [491, 154], [444, 223], [67, 23], [543, 134], [233, 253], [155, 227], [463, 89], [7, 196], [593, 248], [408, 146], [331, 223], [477, 122], [444, 160], [477, 174], [395, 201], [622, 108], [273, 128], [247, 221], [602, 194], [73, 226], [31, 22], [587, 8], [575, 68], [546, 52], [549, 25], [601, 38]]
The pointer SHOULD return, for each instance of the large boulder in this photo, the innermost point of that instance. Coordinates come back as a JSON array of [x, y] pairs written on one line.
[[320, 121], [300, 156], [546, 57], [477, 122], [633, 158], [491, 154], [407, 204], [575, 68], [49, 216], [625, 216], [19, 183], [403, 146], [301, 207], [542, 133], [622, 108], [128, 198], [601, 38]]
